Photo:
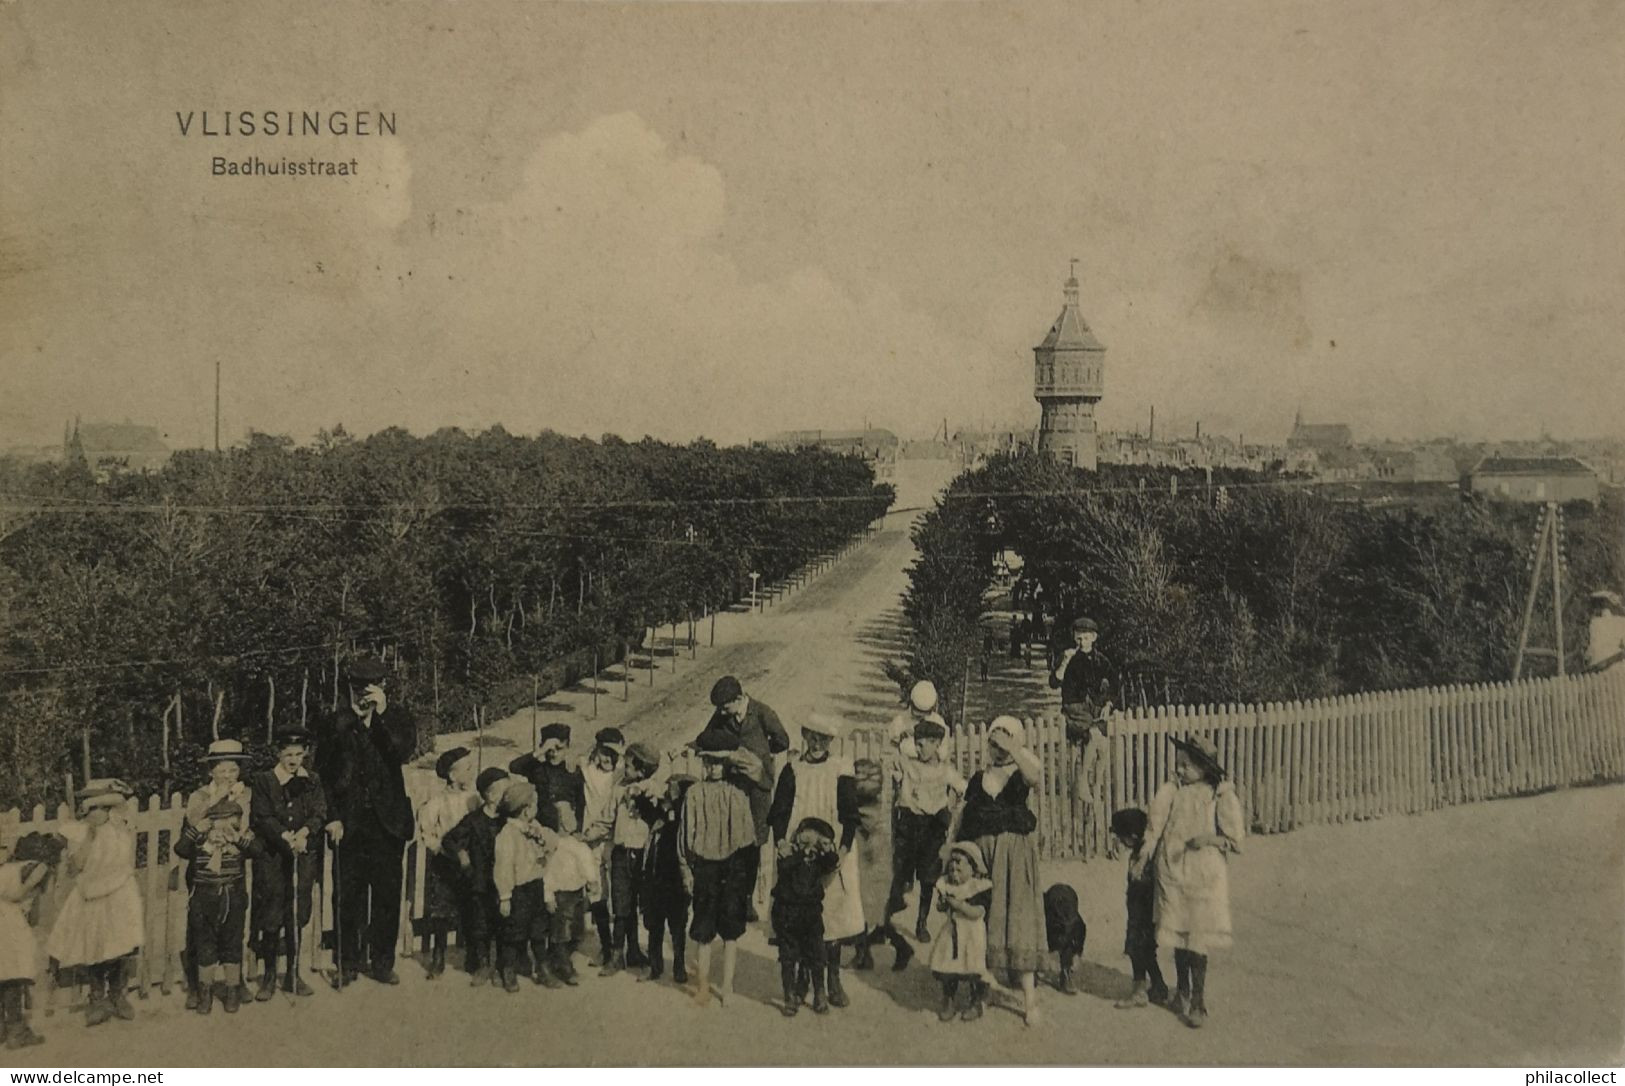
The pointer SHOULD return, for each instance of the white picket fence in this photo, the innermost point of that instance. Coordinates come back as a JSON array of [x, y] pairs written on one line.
[[1295, 763]]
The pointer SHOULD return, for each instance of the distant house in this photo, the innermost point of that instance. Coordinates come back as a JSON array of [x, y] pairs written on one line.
[[1424, 464], [868, 444], [122, 445], [1534, 479], [1319, 436]]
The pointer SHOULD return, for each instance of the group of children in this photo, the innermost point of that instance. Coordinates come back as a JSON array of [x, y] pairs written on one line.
[[518, 858]]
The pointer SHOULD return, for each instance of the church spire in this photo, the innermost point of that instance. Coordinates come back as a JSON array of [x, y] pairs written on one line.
[[1071, 289]]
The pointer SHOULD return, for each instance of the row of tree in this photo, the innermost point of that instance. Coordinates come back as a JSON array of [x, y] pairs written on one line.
[[143, 611], [1251, 588]]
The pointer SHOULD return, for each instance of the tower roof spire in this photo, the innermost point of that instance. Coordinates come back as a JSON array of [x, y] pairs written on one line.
[[1070, 331]]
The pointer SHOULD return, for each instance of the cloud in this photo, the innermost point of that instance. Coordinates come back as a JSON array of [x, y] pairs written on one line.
[[600, 296]]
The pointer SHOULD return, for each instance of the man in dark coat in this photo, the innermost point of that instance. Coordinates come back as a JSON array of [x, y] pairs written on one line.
[[287, 813], [360, 756], [758, 729]]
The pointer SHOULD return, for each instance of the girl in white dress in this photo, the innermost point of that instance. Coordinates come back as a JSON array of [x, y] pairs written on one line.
[[1195, 823], [959, 948], [101, 923]]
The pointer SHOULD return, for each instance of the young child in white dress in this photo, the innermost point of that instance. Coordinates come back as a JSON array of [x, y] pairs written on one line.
[[959, 948], [102, 922], [1195, 822]]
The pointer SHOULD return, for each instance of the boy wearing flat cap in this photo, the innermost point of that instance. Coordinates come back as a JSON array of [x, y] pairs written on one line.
[[288, 809], [472, 844]]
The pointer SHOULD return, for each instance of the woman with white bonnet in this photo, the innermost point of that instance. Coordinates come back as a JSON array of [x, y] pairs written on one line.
[[996, 816]]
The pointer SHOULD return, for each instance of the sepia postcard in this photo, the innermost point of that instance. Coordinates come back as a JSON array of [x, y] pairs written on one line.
[[817, 534]]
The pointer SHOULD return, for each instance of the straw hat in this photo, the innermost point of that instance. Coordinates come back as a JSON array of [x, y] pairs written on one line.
[[103, 792], [1203, 752], [225, 750]]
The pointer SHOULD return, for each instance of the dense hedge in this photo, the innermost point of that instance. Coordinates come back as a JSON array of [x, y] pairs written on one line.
[[1271, 592], [473, 562]]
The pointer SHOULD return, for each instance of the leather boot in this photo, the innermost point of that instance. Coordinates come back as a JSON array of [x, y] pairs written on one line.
[[679, 970], [437, 957], [99, 1009], [295, 983], [657, 954], [189, 971], [118, 996], [267, 985], [616, 963], [606, 937], [1196, 1007], [792, 1000], [973, 1002], [17, 1031], [863, 958], [950, 1002], [232, 997], [205, 996], [922, 934], [820, 1004], [634, 953], [837, 994]]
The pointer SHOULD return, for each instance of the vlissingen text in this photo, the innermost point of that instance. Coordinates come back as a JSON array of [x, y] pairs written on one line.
[[289, 122], [255, 166]]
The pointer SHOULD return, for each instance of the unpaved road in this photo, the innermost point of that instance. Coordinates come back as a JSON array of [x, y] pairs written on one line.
[[1485, 934]]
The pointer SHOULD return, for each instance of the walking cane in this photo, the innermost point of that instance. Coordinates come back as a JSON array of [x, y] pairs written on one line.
[[319, 907], [293, 906], [337, 979]]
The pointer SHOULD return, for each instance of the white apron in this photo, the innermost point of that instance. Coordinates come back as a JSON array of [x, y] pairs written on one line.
[[1192, 900], [815, 798]]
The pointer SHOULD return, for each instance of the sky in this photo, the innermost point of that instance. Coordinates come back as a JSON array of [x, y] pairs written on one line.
[[689, 219]]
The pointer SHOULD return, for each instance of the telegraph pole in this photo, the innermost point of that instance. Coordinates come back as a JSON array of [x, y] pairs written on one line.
[[217, 405]]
